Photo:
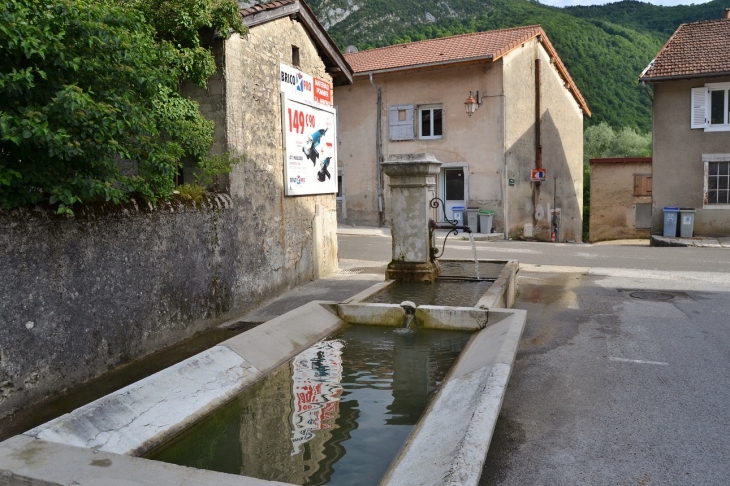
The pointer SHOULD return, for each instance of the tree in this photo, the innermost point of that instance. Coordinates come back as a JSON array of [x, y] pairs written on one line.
[[89, 86]]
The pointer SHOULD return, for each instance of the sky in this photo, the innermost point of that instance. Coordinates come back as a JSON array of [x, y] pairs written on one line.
[[570, 3]]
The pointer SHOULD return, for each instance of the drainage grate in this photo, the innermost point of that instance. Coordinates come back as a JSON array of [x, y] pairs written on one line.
[[657, 296], [349, 272]]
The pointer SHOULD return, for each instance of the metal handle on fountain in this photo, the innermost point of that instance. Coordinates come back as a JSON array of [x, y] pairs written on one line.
[[452, 226]]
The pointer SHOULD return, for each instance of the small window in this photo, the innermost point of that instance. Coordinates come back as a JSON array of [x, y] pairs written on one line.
[[295, 56], [642, 184], [718, 183], [431, 122]]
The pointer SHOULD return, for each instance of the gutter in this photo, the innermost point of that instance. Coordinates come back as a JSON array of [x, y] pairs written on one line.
[[378, 154]]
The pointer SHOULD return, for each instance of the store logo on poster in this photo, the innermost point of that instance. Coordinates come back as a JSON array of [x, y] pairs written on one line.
[[306, 87]]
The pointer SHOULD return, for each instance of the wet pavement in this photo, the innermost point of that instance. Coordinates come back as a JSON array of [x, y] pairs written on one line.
[[617, 381]]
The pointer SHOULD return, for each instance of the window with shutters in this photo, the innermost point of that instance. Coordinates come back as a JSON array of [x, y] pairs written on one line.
[[642, 184], [400, 122], [711, 107], [431, 122]]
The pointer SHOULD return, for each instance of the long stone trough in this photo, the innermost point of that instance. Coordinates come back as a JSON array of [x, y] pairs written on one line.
[[100, 443]]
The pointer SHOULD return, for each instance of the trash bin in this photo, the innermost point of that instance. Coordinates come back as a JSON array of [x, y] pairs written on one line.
[[686, 222], [670, 221], [472, 219], [457, 214], [485, 220]]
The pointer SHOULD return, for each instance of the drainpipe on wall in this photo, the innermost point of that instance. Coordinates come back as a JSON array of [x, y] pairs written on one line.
[[538, 139], [505, 176], [378, 154]]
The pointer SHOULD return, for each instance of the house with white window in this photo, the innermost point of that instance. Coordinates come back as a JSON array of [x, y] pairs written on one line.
[[497, 108], [691, 125]]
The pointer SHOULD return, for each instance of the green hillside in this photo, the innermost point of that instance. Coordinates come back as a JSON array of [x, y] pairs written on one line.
[[605, 48]]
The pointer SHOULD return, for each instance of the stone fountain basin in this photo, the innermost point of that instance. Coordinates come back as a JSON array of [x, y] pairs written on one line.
[[99, 442]]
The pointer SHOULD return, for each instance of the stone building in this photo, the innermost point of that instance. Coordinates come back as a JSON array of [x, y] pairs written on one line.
[[620, 198], [691, 125], [527, 113], [81, 295]]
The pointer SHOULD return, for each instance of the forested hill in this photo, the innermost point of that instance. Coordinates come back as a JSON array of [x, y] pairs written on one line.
[[605, 48]]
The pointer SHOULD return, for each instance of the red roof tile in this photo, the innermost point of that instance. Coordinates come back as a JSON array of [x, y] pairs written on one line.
[[696, 49], [490, 45]]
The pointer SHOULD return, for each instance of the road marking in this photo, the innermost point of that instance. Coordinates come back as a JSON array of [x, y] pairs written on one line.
[[640, 361]]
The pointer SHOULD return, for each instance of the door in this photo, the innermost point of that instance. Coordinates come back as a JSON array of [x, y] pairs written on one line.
[[453, 187]]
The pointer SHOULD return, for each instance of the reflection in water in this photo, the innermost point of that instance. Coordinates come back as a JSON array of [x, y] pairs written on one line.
[[316, 384], [338, 413]]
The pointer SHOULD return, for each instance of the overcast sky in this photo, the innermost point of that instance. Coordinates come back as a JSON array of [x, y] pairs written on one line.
[[570, 3]]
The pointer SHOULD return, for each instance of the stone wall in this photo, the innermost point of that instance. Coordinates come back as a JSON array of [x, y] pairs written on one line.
[[80, 295]]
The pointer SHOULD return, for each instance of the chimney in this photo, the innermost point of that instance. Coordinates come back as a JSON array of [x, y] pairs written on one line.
[[727, 13]]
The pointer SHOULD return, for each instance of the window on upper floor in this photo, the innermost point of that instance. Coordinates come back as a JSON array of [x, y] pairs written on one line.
[[295, 56], [431, 124], [711, 107]]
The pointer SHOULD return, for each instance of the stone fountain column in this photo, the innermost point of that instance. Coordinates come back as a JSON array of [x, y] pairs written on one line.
[[412, 186]]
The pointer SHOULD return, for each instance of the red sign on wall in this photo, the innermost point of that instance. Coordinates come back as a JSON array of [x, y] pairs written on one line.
[[538, 175], [322, 92]]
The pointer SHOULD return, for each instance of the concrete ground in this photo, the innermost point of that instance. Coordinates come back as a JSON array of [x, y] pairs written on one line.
[[621, 373]]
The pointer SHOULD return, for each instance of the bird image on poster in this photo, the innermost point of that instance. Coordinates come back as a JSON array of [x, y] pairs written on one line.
[[323, 170], [310, 147]]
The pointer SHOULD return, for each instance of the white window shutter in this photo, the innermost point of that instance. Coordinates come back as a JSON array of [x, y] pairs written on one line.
[[400, 129], [699, 107]]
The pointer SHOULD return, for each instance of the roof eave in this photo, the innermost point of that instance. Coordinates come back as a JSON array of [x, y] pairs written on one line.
[[304, 14], [426, 65], [655, 79]]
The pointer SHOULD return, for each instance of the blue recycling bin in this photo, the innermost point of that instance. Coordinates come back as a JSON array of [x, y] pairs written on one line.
[[670, 221], [457, 214]]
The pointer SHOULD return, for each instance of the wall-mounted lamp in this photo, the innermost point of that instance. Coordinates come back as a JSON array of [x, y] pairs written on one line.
[[472, 103]]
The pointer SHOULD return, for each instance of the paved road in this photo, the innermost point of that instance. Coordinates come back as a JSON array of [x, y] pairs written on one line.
[[377, 248], [621, 375]]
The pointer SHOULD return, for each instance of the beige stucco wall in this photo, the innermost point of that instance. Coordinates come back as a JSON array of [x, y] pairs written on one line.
[[476, 142], [293, 239], [678, 170], [356, 122], [562, 147], [613, 204]]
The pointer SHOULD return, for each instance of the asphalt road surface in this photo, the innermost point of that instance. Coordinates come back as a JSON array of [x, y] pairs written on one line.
[[623, 372]]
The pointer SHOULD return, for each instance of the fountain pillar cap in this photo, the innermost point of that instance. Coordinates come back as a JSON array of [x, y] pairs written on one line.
[[422, 164]]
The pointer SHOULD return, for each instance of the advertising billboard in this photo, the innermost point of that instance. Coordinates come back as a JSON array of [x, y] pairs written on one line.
[[310, 148], [309, 128]]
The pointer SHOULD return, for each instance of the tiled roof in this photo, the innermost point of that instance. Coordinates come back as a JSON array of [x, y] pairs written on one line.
[[254, 9], [490, 45], [479, 45], [694, 50]]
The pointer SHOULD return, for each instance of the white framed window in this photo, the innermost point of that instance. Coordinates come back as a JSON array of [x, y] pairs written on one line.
[[711, 107], [430, 122], [717, 181]]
